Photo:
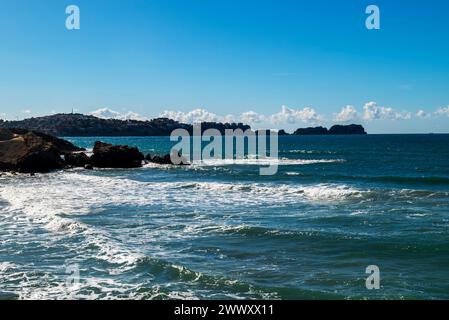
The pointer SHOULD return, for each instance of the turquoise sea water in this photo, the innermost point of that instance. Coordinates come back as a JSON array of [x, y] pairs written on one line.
[[218, 231]]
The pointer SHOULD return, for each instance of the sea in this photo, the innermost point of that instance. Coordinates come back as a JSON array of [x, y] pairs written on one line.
[[338, 207]]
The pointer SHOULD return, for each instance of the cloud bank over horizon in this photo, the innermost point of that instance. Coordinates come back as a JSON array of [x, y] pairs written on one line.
[[286, 117]]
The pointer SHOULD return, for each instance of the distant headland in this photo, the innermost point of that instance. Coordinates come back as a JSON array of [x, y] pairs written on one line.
[[80, 125]]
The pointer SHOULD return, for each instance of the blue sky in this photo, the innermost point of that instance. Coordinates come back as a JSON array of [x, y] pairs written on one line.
[[283, 64]]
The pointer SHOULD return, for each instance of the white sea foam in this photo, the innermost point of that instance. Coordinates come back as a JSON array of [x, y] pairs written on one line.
[[264, 162], [251, 161], [299, 151], [6, 266], [77, 193], [50, 200], [57, 201], [293, 173]]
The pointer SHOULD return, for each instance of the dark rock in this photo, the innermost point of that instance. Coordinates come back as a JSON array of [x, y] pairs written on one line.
[[282, 133], [63, 146], [29, 151], [159, 160], [311, 131], [88, 167], [79, 160], [166, 160], [110, 156], [350, 129]]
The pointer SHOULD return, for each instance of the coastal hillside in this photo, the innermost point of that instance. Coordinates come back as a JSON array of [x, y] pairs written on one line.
[[79, 125]]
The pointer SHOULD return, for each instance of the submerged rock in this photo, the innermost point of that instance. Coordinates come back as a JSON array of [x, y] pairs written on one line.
[[29, 151], [110, 156]]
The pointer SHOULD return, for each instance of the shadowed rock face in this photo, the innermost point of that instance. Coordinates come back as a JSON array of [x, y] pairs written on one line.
[[79, 160], [29, 151], [110, 156]]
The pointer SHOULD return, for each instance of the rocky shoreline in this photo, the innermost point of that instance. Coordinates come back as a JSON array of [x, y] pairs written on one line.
[[31, 151], [27, 151]]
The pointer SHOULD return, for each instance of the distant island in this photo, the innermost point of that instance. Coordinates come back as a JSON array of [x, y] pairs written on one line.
[[80, 125], [335, 130]]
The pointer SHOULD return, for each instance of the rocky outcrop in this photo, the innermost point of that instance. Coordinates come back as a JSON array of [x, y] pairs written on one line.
[[29, 151], [311, 131], [343, 130], [110, 156], [335, 130], [167, 159], [79, 160], [62, 145]]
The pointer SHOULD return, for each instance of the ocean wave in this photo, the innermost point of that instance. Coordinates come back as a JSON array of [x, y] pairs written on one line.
[[68, 193], [156, 279], [419, 194], [57, 201], [411, 180], [264, 232], [394, 179]]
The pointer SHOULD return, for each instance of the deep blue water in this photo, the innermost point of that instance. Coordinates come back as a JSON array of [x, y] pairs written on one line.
[[336, 205]]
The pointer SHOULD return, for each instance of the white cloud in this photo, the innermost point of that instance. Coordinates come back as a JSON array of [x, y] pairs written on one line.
[[194, 116], [348, 113], [27, 111], [371, 111], [285, 116], [229, 118], [422, 114], [443, 111], [134, 116], [105, 113], [293, 116], [252, 117]]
